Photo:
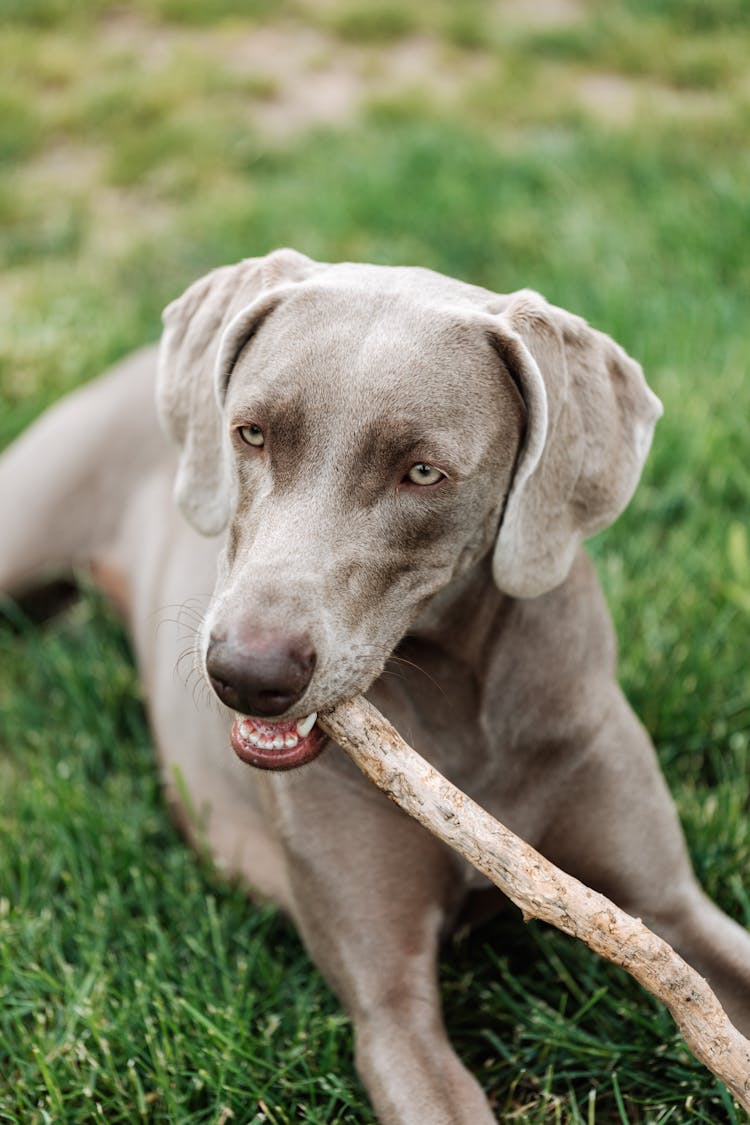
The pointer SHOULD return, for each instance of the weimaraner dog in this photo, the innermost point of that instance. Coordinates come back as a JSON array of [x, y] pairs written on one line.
[[368, 462]]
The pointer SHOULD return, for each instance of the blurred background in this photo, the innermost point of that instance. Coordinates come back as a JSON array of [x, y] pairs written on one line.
[[597, 152]]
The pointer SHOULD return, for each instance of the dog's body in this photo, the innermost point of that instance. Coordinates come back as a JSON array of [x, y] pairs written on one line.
[[365, 432]]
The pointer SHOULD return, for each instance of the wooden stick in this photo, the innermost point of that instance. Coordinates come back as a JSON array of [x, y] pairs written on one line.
[[542, 890]]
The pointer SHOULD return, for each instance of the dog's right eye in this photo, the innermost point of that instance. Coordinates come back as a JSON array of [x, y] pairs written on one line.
[[251, 435], [423, 474]]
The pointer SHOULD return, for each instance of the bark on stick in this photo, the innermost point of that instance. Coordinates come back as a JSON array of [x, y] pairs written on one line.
[[542, 890]]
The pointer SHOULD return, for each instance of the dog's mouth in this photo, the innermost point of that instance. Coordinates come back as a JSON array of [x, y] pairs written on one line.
[[276, 744]]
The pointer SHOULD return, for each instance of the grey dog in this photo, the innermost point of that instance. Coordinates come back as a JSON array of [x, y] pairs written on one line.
[[368, 461]]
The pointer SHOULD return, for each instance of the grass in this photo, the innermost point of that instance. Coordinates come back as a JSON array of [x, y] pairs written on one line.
[[136, 985]]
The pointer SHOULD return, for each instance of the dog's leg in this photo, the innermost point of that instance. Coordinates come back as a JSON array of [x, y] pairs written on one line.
[[372, 893], [616, 828], [65, 482]]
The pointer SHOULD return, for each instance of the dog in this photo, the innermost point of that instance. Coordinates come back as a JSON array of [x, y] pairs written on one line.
[[372, 461]]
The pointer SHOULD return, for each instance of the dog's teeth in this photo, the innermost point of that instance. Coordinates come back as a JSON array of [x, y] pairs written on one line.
[[304, 726], [254, 738], [278, 742], [291, 741], [245, 728], [265, 743]]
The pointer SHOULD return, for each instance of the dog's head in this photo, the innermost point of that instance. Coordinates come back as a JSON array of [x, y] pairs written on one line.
[[366, 434]]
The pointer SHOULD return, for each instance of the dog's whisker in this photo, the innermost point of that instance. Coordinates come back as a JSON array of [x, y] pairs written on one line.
[[190, 615], [393, 674], [184, 655], [191, 605], [203, 696], [418, 668]]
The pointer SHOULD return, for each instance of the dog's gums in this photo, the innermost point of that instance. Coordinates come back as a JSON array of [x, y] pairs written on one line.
[[276, 745]]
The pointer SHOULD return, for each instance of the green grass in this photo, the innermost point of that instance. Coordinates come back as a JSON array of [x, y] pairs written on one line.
[[136, 985]]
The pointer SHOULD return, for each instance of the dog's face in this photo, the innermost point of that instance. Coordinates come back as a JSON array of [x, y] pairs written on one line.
[[368, 434], [372, 446]]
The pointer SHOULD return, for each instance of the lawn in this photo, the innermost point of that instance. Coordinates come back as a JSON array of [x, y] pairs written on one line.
[[598, 153]]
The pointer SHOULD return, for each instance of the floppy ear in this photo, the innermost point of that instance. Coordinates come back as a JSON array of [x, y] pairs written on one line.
[[590, 420], [190, 385]]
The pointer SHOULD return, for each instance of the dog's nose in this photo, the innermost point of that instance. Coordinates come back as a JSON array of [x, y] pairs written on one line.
[[261, 675]]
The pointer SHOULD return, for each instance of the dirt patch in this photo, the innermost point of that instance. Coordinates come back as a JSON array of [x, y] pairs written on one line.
[[619, 100], [610, 97], [314, 79], [542, 13], [311, 78], [303, 75]]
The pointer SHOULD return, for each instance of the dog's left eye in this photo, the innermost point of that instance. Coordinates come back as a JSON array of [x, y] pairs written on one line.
[[251, 435], [424, 474]]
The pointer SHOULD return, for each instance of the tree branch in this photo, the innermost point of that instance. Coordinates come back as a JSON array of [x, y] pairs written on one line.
[[542, 890]]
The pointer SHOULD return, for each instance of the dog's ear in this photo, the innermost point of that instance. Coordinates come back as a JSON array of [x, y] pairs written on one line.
[[590, 420], [204, 331]]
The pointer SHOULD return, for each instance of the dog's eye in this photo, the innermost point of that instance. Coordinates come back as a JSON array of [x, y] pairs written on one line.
[[424, 474], [251, 435]]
